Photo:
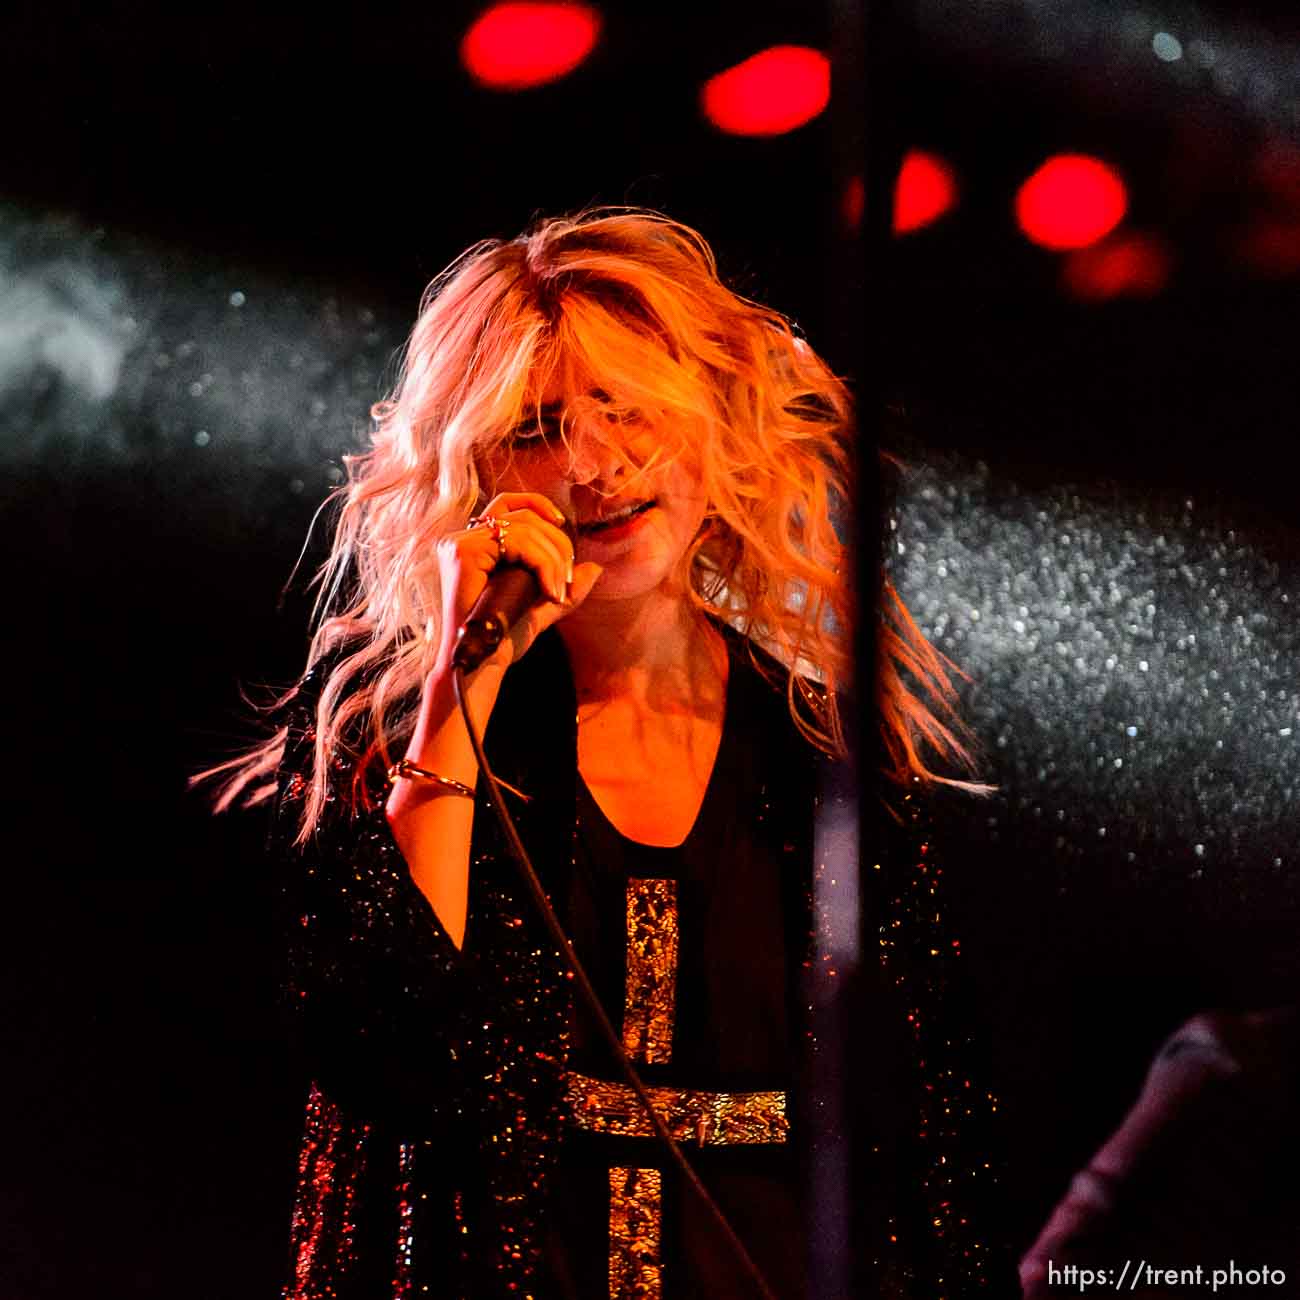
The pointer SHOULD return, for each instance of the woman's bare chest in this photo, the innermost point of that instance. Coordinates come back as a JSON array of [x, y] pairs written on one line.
[[649, 778]]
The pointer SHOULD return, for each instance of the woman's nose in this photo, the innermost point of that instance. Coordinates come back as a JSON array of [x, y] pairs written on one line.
[[595, 458]]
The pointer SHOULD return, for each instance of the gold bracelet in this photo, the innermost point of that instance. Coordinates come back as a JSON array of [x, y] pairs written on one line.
[[404, 768]]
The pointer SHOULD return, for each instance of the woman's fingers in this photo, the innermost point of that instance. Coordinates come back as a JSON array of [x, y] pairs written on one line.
[[584, 579], [541, 547], [544, 508], [526, 537], [541, 505], [537, 521], [530, 534], [542, 616]]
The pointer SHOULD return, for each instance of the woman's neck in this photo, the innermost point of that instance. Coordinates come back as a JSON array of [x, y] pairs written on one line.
[[658, 649]]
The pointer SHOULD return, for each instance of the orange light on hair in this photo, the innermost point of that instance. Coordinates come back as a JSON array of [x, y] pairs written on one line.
[[769, 93], [925, 190], [1071, 201], [518, 45], [759, 419], [1128, 265]]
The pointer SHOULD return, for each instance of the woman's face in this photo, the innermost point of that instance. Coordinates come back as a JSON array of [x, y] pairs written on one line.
[[636, 523]]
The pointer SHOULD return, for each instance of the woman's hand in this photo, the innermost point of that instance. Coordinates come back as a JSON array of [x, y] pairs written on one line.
[[432, 827], [535, 538]]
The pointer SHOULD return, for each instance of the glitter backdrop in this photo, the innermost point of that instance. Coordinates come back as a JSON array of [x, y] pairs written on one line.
[[1133, 665]]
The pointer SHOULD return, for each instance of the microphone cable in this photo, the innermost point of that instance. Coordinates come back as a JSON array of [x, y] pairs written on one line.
[[593, 1004]]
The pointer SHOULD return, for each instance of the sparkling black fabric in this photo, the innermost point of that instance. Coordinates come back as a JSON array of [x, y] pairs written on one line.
[[742, 908], [434, 1121]]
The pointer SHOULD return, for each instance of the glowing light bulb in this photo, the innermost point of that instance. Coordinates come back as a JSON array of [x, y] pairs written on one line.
[[1071, 201], [518, 45], [926, 189], [769, 93]]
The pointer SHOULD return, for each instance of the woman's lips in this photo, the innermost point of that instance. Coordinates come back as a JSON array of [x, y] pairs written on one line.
[[615, 521]]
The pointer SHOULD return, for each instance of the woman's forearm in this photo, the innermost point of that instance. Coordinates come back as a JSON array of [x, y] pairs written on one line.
[[433, 825]]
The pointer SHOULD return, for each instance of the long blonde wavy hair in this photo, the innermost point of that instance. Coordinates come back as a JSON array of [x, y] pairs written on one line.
[[631, 300]]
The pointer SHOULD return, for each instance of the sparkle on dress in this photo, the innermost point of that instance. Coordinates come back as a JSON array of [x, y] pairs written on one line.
[[439, 1102]]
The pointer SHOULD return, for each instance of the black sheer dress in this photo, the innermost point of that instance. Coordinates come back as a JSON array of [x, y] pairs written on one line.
[[466, 1138], [691, 950]]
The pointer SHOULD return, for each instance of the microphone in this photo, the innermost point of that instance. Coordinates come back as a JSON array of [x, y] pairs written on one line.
[[511, 591]]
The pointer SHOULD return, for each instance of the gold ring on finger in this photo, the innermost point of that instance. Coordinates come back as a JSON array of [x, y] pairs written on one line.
[[500, 527]]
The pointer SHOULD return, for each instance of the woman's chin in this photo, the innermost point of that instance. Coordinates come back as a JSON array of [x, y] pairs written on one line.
[[619, 586], [659, 588]]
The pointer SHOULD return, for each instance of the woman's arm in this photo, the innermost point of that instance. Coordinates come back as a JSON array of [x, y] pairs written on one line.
[[376, 904], [431, 824], [379, 998]]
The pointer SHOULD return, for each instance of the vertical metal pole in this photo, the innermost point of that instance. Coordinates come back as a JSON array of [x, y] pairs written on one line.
[[867, 157]]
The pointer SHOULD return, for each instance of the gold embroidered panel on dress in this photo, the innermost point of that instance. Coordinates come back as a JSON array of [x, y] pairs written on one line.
[[707, 1118], [649, 1011], [650, 1002], [635, 1234]]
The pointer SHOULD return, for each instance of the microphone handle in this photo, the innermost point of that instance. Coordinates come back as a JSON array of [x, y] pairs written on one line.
[[511, 592]]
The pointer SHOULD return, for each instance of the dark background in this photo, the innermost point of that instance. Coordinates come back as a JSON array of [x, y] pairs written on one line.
[[214, 229]]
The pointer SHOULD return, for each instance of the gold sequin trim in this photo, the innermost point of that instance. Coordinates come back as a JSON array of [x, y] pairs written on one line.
[[635, 1233], [708, 1118], [650, 1002]]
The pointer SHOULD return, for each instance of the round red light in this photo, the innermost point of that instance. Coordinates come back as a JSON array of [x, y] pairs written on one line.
[[1128, 265], [925, 190], [769, 93], [1071, 201], [518, 45]]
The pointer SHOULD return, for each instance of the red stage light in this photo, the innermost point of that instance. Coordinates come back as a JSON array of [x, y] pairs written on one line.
[[1270, 244], [770, 92], [1276, 169], [925, 190], [853, 202], [1071, 201], [1128, 265], [514, 46]]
